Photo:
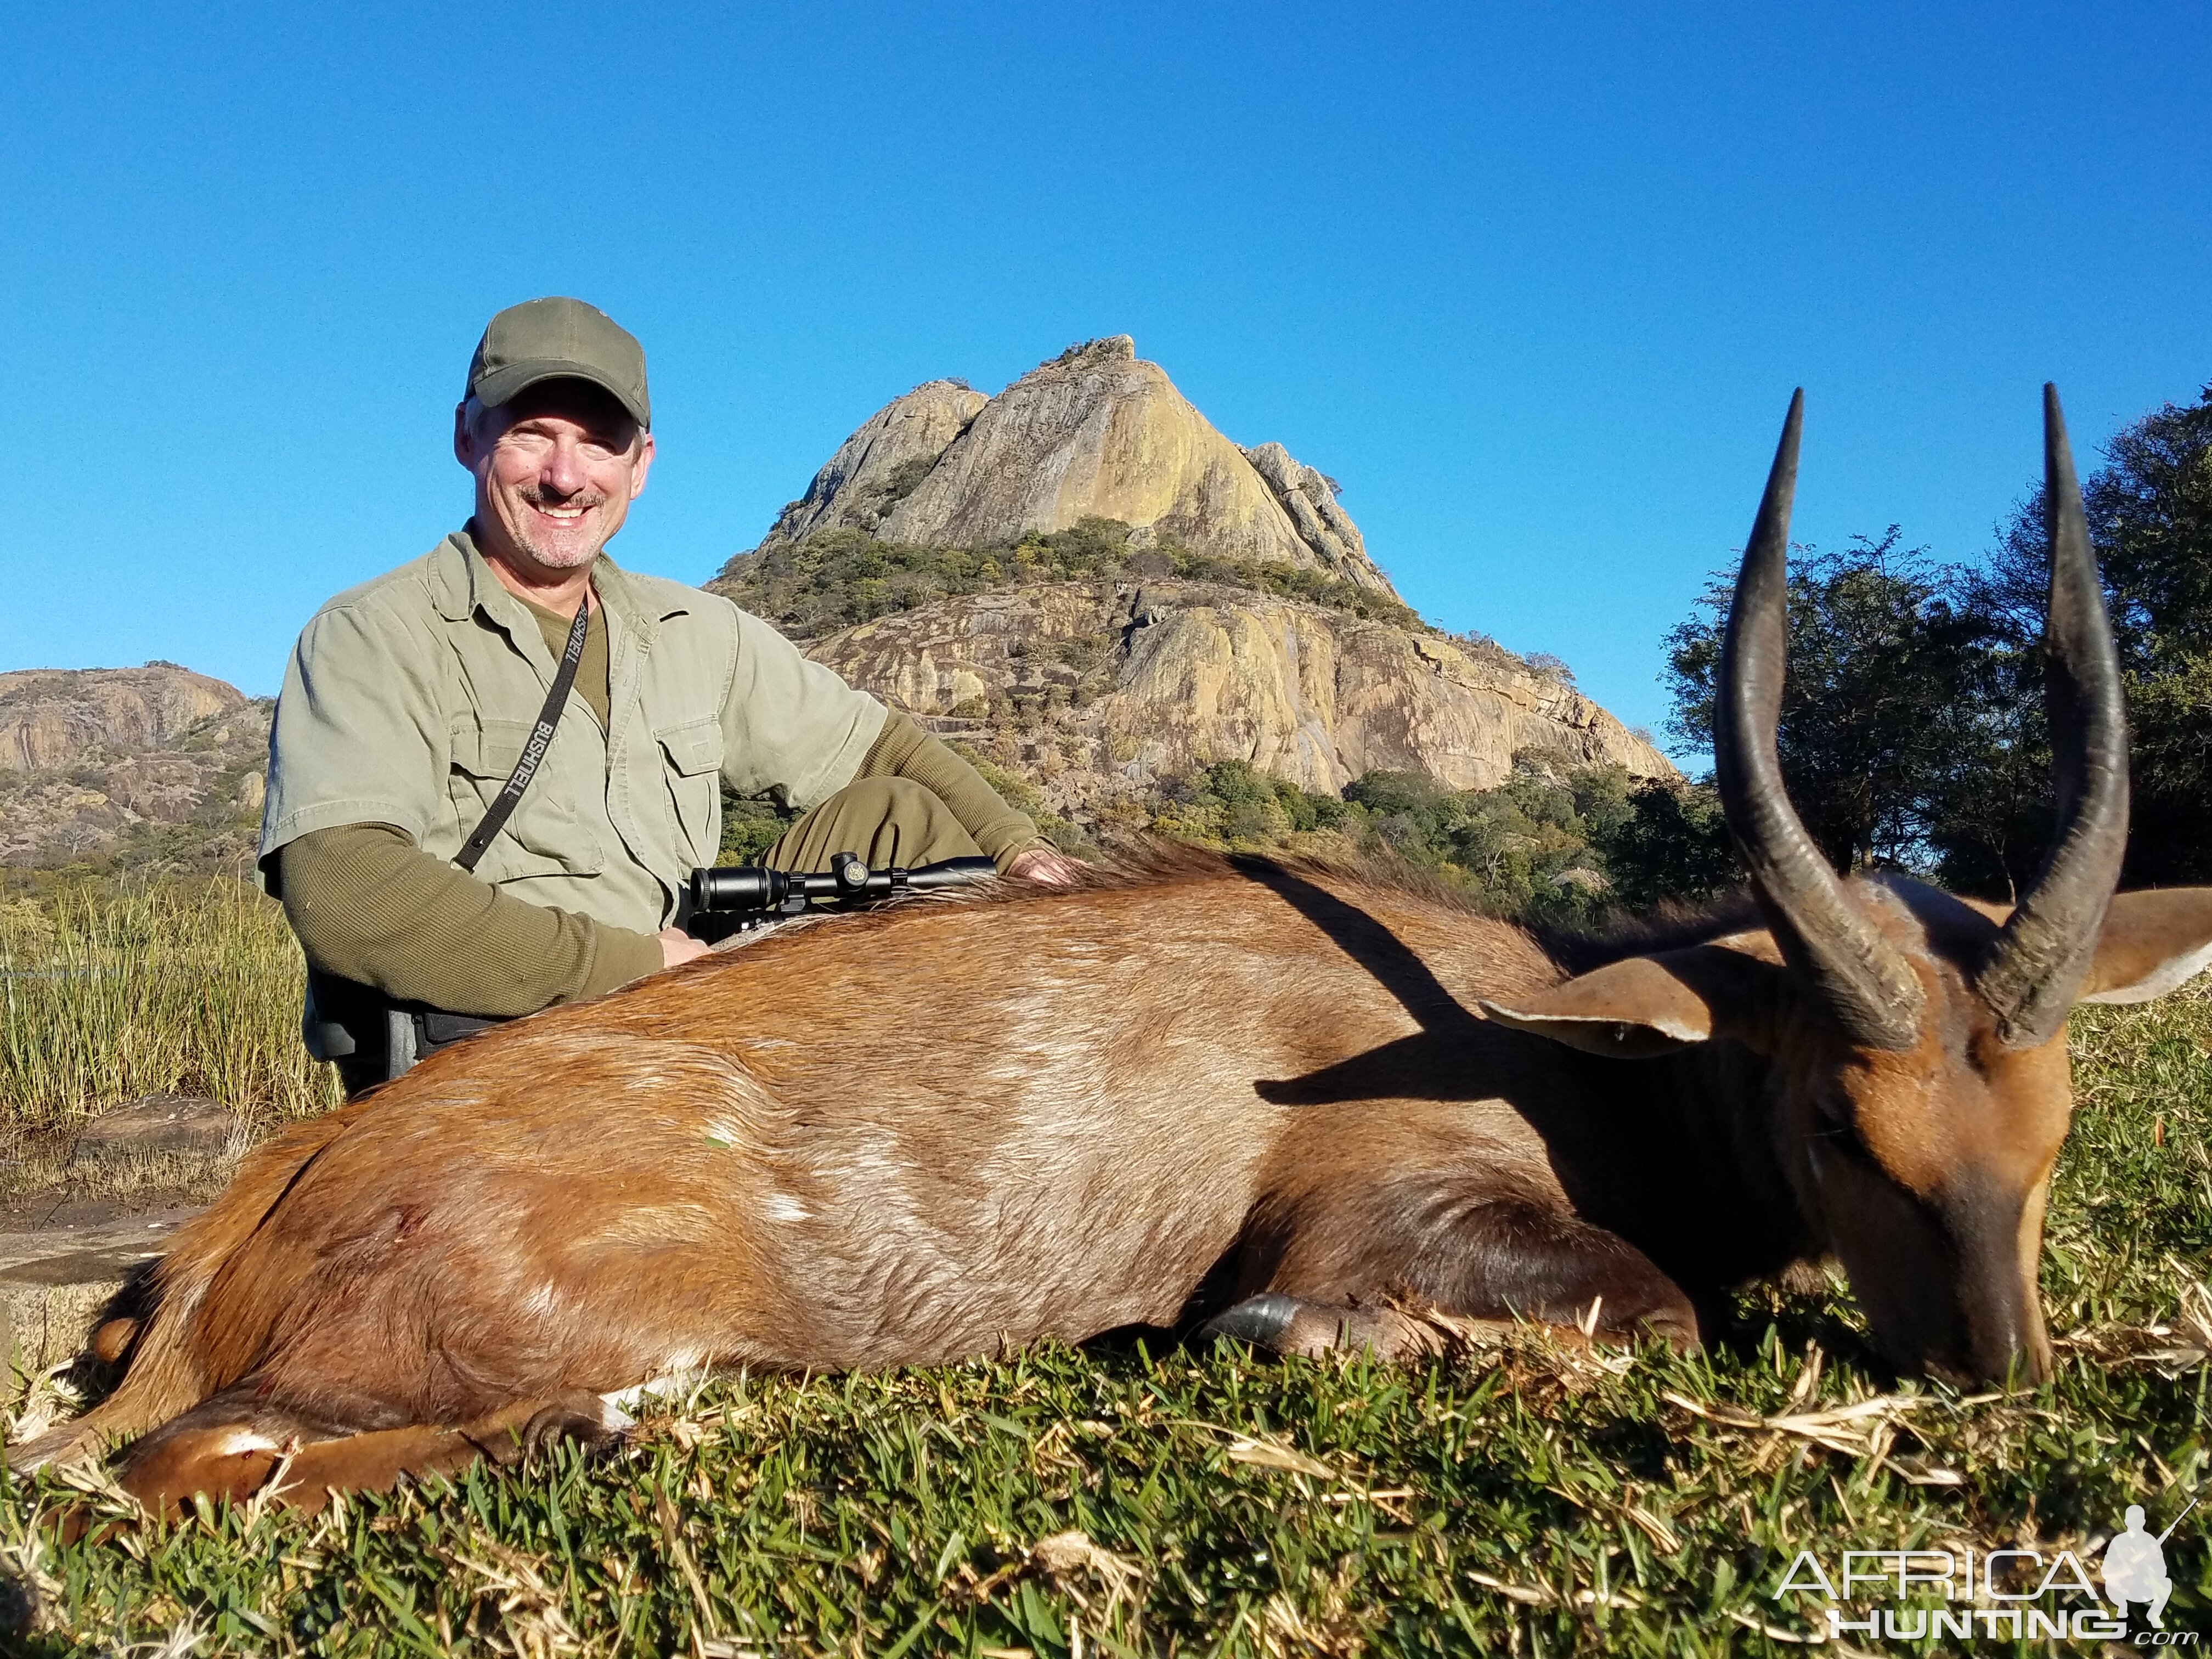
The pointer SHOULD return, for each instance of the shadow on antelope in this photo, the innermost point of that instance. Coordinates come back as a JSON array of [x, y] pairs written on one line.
[[1258, 1098]]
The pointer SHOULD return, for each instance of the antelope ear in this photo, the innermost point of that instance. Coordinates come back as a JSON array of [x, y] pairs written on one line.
[[2152, 942], [1645, 1005]]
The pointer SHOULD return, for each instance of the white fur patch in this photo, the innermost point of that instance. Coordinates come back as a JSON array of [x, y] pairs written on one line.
[[685, 1373], [782, 1206]]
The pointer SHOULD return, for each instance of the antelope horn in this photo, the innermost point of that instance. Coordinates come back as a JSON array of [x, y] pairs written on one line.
[[2036, 966], [1826, 939]]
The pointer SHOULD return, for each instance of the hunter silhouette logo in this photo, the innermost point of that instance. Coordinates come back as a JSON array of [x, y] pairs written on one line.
[[2135, 1566]]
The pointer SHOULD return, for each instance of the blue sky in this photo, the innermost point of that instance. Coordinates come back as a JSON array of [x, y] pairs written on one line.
[[1535, 284]]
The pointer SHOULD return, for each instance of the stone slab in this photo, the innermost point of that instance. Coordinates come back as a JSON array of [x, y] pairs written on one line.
[[53, 1284], [157, 1124]]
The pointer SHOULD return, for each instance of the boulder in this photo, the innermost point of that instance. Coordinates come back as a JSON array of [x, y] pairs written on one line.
[[185, 1124], [54, 1284]]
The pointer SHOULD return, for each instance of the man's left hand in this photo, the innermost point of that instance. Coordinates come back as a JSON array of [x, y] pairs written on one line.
[[1046, 865]]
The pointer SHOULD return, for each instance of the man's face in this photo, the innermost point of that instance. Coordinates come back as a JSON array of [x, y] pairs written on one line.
[[557, 468]]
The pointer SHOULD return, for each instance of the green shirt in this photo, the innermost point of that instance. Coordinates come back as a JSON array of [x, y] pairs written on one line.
[[408, 701]]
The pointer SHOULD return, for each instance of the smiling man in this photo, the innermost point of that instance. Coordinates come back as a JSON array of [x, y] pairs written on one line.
[[410, 701]]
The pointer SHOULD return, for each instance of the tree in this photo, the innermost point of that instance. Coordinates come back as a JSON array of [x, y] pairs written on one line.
[[1880, 701], [2149, 511], [1670, 843]]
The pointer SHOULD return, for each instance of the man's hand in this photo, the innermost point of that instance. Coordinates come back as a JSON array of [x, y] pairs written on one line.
[[677, 945], [1048, 867]]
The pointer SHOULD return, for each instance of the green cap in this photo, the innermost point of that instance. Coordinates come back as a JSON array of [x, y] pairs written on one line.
[[558, 339]]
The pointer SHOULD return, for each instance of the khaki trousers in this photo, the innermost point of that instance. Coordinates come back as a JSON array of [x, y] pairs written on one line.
[[883, 821]]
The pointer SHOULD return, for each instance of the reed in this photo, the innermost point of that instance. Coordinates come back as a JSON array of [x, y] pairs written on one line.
[[112, 990]]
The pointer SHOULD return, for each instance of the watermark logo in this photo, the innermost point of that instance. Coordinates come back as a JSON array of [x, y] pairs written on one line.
[[2135, 1566], [2006, 1596]]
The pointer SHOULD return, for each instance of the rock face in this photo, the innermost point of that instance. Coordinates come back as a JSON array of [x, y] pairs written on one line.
[[160, 761], [53, 718], [1098, 432], [1098, 692], [879, 465]]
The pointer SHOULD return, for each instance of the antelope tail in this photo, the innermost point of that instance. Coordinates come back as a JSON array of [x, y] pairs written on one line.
[[164, 1374]]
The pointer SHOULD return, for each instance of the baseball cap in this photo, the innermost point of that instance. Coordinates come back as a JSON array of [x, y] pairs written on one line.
[[554, 339]]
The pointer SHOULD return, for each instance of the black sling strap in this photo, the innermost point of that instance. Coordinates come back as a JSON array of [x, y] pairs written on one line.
[[372, 1038], [502, 807]]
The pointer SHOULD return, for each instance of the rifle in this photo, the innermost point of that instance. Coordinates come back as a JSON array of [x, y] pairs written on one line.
[[735, 897], [2178, 1519]]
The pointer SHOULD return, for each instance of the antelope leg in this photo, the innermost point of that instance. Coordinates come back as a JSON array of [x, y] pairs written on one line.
[[236, 1448]]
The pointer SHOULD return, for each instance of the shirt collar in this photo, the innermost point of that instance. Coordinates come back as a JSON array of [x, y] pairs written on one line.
[[459, 583]]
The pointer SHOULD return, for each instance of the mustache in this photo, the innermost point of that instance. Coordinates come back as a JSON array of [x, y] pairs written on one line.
[[538, 496]]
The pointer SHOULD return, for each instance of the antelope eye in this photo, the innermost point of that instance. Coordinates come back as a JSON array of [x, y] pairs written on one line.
[[1834, 1121]]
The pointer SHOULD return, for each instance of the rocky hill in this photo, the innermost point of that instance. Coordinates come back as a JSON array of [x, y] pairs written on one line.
[[1100, 693], [1096, 433], [1093, 587], [156, 766]]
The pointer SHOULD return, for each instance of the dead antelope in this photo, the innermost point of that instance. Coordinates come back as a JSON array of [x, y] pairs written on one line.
[[1215, 1089]]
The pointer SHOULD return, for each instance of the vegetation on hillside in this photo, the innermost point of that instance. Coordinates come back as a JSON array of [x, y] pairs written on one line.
[[1555, 843], [817, 586]]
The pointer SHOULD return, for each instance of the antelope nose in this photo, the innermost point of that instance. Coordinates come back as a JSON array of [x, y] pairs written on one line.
[[2008, 1344]]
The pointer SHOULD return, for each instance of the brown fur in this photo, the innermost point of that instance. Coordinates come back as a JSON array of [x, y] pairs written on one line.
[[957, 1125]]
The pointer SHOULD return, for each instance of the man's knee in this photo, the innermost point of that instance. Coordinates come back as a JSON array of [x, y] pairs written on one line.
[[884, 821], [886, 801]]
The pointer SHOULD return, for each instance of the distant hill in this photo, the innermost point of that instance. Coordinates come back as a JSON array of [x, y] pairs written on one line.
[[1097, 591], [157, 766]]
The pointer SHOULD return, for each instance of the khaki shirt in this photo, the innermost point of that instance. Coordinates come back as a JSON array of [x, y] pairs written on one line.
[[408, 701]]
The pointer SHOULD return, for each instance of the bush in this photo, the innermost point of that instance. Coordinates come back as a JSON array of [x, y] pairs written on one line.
[[1557, 842]]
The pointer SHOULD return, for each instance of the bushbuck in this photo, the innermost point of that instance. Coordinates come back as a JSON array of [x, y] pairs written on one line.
[[1275, 1100]]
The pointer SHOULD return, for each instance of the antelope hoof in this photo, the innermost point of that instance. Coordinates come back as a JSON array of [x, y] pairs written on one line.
[[1259, 1320], [1289, 1325], [579, 1418]]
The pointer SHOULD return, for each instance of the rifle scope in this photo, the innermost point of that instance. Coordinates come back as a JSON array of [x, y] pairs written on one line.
[[754, 889]]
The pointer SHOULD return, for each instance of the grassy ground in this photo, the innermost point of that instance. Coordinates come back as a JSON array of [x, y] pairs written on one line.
[[1516, 1496]]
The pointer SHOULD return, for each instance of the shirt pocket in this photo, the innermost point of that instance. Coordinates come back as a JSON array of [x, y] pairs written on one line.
[[692, 757], [544, 835]]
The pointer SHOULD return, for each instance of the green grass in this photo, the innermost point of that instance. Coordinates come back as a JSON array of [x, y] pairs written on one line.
[[109, 991], [1516, 1498]]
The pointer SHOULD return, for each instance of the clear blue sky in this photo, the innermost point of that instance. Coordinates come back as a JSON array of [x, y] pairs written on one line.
[[1535, 284]]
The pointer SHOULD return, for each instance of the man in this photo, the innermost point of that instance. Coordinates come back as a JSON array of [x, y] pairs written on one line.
[[2135, 1568], [410, 701]]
